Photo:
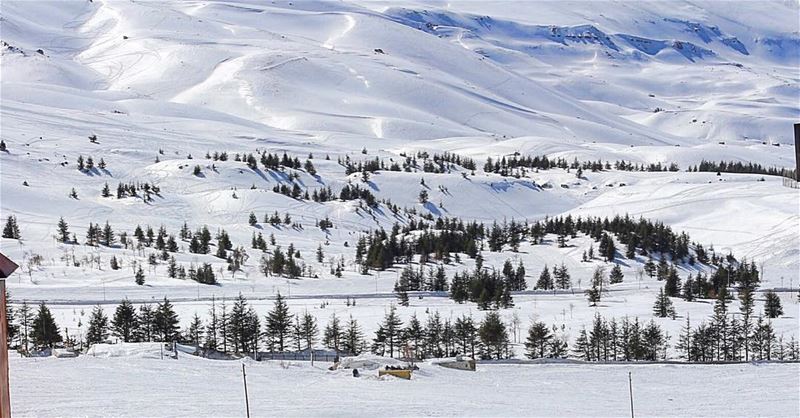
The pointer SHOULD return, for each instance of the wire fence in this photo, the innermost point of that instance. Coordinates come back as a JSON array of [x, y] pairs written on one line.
[[301, 356]]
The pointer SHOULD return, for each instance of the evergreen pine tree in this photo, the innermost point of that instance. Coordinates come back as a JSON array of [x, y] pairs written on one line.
[[414, 336], [545, 280], [125, 321], [194, 333], [400, 289], [279, 322], [390, 332], [616, 275], [172, 268], [721, 326], [332, 336], [562, 278], [165, 321], [466, 334], [45, 331], [494, 336], [320, 254], [63, 231], [113, 263], [238, 331], [353, 338], [650, 267], [538, 341], [139, 276], [593, 295], [25, 322], [212, 327], [672, 285], [519, 275], [309, 330], [98, 326], [107, 235], [11, 229], [145, 330], [663, 307], [746, 304], [685, 347], [772, 305], [688, 289], [433, 335], [763, 340]]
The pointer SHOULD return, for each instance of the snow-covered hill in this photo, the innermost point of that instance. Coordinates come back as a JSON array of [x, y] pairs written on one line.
[[715, 71], [157, 89]]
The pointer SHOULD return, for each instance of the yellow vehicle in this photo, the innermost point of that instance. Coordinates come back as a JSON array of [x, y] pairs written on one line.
[[401, 373]]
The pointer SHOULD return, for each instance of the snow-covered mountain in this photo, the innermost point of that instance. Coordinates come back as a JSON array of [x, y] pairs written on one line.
[[157, 90], [716, 72]]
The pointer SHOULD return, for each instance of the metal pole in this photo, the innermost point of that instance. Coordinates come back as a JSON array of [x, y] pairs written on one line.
[[246, 399], [630, 389], [797, 151], [5, 396]]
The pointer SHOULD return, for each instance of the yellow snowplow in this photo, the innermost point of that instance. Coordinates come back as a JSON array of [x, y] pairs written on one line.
[[401, 373]]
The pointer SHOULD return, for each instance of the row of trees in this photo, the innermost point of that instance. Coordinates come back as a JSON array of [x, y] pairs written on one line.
[[488, 288], [729, 337], [235, 328], [441, 337], [28, 328], [441, 238], [516, 165], [624, 340], [740, 167], [88, 165], [238, 329], [437, 163]]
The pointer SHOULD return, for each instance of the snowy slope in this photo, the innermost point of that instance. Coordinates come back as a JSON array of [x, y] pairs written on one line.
[[170, 79], [161, 84]]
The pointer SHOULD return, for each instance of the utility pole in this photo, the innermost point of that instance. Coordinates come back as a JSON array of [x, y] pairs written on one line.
[[797, 152], [630, 390], [246, 399], [6, 268]]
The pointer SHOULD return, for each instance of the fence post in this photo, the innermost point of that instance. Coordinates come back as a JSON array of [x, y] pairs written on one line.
[[630, 390], [246, 398]]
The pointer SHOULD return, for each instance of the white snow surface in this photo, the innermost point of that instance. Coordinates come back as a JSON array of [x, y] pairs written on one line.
[[481, 79], [199, 387]]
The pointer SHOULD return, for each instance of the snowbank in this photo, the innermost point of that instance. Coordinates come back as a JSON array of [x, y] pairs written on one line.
[[136, 350], [368, 362]]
